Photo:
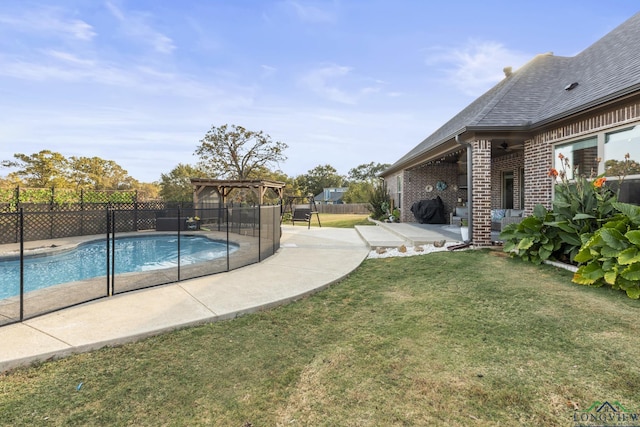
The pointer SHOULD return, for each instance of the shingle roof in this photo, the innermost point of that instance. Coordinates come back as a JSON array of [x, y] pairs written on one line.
[[535, 94]]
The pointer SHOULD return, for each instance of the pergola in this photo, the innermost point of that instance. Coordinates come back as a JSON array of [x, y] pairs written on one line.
[[224, 187]]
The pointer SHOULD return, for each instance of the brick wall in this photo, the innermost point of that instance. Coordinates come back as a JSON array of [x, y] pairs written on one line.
[[416, 181], [537, 159], [512, 162], [481, 155], [539, 152]]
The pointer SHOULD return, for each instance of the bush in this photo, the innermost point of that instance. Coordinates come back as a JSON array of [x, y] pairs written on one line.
[[580, 207], [379, 201], [612, 255], [532, 239]]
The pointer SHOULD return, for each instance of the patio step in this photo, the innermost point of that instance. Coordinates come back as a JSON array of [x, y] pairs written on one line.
[[380, 237]]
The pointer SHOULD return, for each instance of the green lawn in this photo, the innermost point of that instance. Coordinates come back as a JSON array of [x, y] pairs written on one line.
[[336, 220], [453, 339]]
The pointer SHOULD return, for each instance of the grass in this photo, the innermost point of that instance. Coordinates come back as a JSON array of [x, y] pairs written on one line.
[[452, 339], [341, 220]]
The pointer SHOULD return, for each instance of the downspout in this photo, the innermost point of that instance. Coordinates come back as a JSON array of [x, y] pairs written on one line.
[[469, 184]]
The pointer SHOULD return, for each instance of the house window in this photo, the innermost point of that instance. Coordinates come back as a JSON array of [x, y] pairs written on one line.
[[616, 146], [582, 157]]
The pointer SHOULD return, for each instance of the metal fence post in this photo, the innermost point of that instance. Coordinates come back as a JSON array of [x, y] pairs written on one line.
[[113, 252], [21, 231], [259, 233], [179, 227], [108, 253]]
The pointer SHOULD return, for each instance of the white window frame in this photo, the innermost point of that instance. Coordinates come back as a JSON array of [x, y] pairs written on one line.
[[601, 137]]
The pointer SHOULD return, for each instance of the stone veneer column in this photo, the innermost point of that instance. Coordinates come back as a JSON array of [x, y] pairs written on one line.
[[481, 207]]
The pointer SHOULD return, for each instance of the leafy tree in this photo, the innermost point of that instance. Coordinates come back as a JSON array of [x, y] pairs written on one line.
[[51, 169], [99, 174], [368, 172], [319, 178], [358, 192], [621, 167], [176, 185], [291, 186], [363, 179], [233, 152], [43, 169], [147, 191]]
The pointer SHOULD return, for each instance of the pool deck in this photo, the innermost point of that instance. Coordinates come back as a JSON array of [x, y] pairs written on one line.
[[308, 260]]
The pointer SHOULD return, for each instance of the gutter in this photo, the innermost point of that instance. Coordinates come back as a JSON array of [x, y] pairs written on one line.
[[469, 183]]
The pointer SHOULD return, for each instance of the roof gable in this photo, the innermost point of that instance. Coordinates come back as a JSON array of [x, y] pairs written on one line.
[[535, 94]]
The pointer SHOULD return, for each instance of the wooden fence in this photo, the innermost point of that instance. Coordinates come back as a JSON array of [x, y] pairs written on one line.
[[350, 208]]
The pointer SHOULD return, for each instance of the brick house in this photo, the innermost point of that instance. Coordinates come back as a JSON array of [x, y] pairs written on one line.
[[497, 152]]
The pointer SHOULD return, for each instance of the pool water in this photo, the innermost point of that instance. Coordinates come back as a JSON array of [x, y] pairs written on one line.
[[89, 260]]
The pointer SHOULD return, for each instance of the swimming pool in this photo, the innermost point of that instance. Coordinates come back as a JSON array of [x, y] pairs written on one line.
[[88, 260]]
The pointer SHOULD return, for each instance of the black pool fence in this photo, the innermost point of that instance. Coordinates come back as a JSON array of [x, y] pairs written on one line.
[[247, 235]]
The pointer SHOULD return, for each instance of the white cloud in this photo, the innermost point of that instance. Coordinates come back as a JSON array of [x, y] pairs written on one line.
[[48, 20], [322, 82], [477, 66], [267, 70], [135, 25], [307, 12]]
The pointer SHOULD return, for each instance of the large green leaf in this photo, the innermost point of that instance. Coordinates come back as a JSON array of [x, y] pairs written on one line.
[[632, 288], [525, 243], [509, 246], [580, 216], [592, 271], [633, 292], [632, 272], [569, 238], [629, 256], [544, 253], [631, 211], [585, 255], [610, 277], [633, 236], [609, 252], [540, 212], [613, 238]]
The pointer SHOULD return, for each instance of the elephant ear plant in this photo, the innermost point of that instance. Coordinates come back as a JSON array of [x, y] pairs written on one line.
[[612, 255], [532, 239]]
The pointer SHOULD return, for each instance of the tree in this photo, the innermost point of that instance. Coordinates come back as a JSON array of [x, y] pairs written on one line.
[[367, 172], [175, 186], [363, 180], [291, 186], [43, 169], [233, 152], [319, 178], [358, 192], [621, 167], [147, 191], [99, 174]]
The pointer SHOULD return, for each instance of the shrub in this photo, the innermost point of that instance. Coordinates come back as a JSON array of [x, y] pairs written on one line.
[[580, 207], [532, 239], [612, 255], [379, 201]]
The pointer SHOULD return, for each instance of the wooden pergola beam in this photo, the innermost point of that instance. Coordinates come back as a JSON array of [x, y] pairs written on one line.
[[224, 187]]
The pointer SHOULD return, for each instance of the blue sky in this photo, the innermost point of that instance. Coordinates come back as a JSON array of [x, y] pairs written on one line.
[[342, 82]]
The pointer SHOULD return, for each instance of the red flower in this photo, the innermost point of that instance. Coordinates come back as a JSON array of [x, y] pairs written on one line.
[[553, 172]]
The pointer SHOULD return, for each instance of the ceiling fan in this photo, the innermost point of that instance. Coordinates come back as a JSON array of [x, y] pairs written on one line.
[[506, 147]]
